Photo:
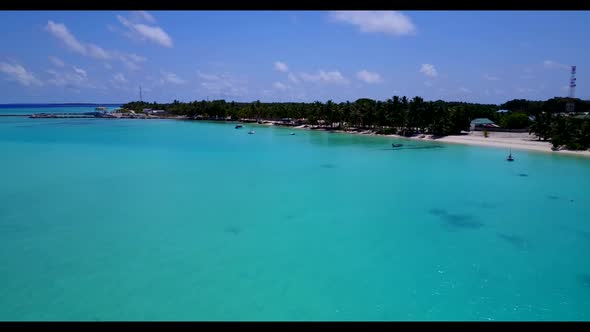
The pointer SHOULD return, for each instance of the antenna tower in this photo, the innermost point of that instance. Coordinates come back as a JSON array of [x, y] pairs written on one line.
[[570, 106]]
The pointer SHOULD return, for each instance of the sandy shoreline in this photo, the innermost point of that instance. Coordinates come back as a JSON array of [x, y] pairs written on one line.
[[515, 141]]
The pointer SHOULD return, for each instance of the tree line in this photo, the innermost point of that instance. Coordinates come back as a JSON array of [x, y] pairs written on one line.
[[552, 122], [401, 115]]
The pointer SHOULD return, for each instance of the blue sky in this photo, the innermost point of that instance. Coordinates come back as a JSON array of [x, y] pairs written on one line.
[[103, 56]]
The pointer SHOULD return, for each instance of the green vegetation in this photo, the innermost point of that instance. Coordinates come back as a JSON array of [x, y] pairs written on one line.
[[401, 115], [517, 120], [398, 114], [570, 133]]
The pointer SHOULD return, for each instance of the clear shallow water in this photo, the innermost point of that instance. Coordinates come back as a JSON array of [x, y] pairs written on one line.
[[173, 220]]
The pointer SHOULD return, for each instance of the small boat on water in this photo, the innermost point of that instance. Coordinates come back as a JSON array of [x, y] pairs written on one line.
[[251, 132], [238, 126], [509, 158], [292, 134], [100, 108], [396, 145]]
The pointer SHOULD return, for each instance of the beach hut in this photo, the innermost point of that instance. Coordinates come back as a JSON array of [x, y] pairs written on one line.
[[482, 123]]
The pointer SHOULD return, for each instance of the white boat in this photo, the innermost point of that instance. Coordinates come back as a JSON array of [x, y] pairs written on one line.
[[251, 132], [510, 158], [100, 108]]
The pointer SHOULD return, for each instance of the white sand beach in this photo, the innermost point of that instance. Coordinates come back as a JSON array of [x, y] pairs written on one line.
[[515, 141]]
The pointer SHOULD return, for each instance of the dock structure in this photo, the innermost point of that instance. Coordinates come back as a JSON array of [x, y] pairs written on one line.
[[86, 115], [60, 116], [98, 115]]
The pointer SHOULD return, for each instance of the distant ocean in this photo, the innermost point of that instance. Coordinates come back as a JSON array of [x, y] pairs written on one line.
[[51, 108], [193, 220], [56, 105]]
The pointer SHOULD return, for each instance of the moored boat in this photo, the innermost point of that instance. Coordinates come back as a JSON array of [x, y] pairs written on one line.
[[510, 158]]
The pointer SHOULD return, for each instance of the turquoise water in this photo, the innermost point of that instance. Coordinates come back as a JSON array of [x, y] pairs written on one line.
[[185, 220]]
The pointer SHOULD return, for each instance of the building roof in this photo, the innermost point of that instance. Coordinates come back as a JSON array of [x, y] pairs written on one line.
[[481, 121]]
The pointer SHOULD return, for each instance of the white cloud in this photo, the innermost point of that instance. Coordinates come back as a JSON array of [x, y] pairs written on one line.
[[61, 32], [368, 77], [128, 62], [491, 78], [108, 66], [143, 15], [428, 70], [56, 61], [119, 78], [281, 66], [168, 77], [279, 86], [222, 85], [136, 58], [388, 22], [19, 73], [554, 64], [97, 52], [72, 79], [324, 76], [131, 61], [80, 71], [142, 31], [293, 78], [464, 90]]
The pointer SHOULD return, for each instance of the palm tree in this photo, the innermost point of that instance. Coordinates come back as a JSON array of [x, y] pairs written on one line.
[[542, 126]]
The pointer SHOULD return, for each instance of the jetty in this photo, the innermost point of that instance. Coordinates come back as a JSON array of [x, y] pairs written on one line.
[[61, 115]]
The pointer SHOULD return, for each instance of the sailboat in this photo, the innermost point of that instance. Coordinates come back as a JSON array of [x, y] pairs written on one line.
[[509, 158]]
